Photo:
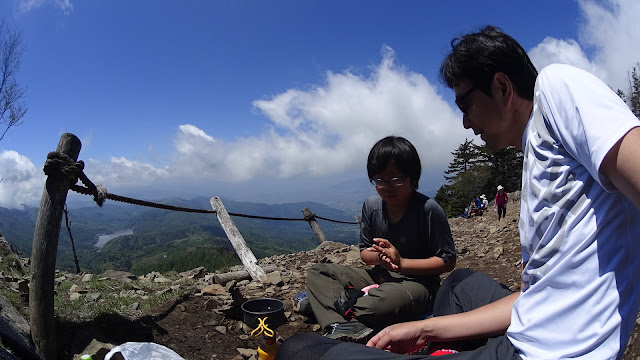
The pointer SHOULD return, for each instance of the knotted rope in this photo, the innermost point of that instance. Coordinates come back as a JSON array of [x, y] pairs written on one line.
[[61, 165]]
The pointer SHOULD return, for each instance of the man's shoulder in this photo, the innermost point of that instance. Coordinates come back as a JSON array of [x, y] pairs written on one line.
[[555, 71], [565, 77]]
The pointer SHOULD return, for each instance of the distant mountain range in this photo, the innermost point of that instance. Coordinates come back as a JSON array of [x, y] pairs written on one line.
[[166, 240]]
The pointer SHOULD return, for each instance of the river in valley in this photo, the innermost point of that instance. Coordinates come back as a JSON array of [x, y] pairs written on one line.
[[102, 239]]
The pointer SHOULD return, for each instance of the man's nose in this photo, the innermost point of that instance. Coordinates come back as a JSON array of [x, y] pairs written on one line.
[[466, 122]]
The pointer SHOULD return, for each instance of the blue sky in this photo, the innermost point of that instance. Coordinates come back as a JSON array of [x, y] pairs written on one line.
[[266, 100]]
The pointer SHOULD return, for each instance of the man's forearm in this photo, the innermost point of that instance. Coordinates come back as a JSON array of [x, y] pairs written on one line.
[[489, 320]]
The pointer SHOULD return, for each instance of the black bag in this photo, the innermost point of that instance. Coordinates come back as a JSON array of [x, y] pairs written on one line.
[[344, 303]]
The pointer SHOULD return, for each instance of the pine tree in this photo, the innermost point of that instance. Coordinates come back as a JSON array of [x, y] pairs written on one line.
[[505, 168], [464, 158], [477, 170]]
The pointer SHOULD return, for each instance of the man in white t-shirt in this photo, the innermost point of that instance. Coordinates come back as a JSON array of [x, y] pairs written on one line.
[[579, 218]]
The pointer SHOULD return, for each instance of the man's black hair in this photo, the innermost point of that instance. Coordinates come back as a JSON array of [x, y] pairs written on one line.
[[477, 57], [398, 150]]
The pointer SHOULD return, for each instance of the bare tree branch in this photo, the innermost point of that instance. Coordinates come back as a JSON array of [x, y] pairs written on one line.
[[12, 106]]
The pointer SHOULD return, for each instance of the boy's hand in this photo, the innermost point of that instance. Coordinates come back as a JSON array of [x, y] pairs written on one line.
[[390, 258]]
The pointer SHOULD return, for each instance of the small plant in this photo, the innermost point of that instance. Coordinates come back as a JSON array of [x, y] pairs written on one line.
[[100, 296], [10, 265], [15, 299]]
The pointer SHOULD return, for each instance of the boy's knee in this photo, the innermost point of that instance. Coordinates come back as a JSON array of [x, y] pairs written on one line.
[[457, 276], [318, 269]]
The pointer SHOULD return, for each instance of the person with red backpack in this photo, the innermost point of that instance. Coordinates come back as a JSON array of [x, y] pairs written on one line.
[[501, 202]]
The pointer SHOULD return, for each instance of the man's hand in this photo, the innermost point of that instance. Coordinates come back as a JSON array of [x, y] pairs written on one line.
[[490, 320], [401, 338]]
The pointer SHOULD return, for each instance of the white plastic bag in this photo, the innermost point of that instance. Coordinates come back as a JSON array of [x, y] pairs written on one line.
[[143, 351]]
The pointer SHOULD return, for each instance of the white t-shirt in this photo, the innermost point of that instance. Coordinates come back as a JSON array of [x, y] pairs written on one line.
[[580, 237]]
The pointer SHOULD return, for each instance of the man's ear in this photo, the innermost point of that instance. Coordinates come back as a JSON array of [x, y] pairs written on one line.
[[503, 86]]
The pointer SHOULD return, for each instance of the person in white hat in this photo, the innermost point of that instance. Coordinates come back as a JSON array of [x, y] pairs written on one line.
[[485, 202]]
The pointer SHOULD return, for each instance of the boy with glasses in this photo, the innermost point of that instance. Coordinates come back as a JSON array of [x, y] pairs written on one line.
[[404, 234]]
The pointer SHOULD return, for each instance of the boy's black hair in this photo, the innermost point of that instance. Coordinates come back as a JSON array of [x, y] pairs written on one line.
[[478, 56], [398, 150]]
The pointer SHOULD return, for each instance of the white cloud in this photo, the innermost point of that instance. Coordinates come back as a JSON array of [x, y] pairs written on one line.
[[323, 131], [563, 51], [28, 5], [193, 130], [609, 32], [329, 128], [120, 171], [21, 182], [63, 5]]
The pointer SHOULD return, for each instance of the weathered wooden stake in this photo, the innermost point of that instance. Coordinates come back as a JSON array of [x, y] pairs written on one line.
[[314, 225], [43, 254], [246, 256]]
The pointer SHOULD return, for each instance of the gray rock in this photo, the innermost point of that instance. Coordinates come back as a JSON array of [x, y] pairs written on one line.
[[497, 251], [196, 273], [119, 275], [274, 278], [247, 353], [96, 349], [214, 289], [91, 297], [13, 317]]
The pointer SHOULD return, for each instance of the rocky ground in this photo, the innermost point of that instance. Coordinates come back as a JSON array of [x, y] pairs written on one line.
[[207, 322]]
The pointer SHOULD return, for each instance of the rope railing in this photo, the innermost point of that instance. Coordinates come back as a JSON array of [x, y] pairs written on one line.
[[61, 165]]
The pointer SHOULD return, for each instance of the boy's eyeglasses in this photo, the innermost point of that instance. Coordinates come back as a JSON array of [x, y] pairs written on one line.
[[394, 182]]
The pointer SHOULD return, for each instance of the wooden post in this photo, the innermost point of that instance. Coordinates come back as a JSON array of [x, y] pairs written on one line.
[[224, 278], [246, 256], [314, 224], [44, 251]]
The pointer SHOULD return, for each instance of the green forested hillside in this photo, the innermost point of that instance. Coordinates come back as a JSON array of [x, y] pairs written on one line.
[[17, 227], [166, 240]]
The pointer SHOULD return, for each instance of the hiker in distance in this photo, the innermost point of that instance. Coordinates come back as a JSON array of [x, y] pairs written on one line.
[[579, 219], [501, 201], [404, 235]]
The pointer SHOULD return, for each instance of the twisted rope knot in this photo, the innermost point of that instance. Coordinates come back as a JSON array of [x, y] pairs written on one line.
[[59, 165], [100, 195], [99, 192], [310, 217]]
